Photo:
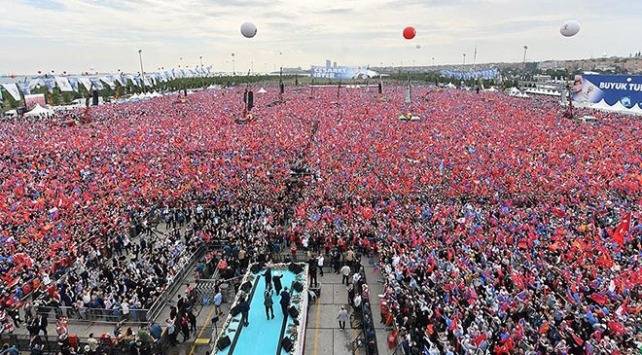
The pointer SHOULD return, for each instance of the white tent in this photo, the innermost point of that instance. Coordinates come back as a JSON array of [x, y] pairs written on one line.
[[261, 91], [514, 91], [39, 111]]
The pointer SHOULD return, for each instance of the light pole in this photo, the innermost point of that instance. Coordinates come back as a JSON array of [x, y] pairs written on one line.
[[433, 61], [233, 65], [464, 58], [142, 72], [201, 57], [525, 49]]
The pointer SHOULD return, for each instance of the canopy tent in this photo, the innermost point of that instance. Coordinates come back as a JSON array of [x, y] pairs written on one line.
[[261, 91], [39, 111]]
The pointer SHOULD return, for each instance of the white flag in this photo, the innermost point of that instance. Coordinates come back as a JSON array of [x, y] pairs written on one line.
[[63, 84], [85, 82], [12, 88]]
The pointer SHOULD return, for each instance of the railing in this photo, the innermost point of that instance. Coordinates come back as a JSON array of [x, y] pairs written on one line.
[[135, 316], [161, 301], [94, 315], [367, 323]]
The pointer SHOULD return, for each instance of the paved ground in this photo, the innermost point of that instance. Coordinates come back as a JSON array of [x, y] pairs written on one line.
[[323, 335]]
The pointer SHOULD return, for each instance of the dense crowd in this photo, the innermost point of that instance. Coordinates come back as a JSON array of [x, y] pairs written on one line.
[[500, 224]]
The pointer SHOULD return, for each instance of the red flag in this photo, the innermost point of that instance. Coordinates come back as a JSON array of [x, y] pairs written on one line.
[[622, 229], [599, 298]]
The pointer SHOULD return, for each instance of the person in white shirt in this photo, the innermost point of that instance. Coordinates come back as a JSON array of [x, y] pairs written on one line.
[[345, 272], [125, 309], [320, 260], [342, 317], [357, 301]]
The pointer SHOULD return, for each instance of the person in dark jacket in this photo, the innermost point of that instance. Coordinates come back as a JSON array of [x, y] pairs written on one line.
[[277, 283], [268, 278], [244, 307], [269, 311], [285, 302]]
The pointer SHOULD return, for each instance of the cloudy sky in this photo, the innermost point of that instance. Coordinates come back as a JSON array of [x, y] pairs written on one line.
[[76, 35]]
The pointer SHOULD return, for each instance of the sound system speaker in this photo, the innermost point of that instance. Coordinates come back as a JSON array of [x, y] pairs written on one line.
[[246, 287], [235, 310], [295, 268], [282, 88], [293, 312], [297, 286], [223, 342], [380, 88], [287, 344], [94, 98]]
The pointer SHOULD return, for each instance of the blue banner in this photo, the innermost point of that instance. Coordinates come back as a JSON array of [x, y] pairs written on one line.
[[486, 74], [593, 88], [341, 73]]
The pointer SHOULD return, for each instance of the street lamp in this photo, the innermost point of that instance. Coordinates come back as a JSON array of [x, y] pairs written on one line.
[[142, 72], [464, 58], [233, 65], [201, 57], [525, 49]]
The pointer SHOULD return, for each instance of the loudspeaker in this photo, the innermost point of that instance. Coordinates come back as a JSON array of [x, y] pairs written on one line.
[[235, 310], [297, 286], [246, 287], [223, 342], [293, 312], [380, 88], [94, 98], [295, 268], [282, 88], [287, 344]]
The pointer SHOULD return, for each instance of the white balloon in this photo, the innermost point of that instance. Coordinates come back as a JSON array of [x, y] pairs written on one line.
[[248, 30], [570, 28]]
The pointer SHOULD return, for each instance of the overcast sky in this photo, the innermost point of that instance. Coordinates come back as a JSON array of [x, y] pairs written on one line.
[[76, 35]]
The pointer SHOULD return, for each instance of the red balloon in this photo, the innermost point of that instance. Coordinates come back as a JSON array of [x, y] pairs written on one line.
[[409, 32]]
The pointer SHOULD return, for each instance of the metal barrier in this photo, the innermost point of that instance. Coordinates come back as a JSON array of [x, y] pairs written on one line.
[[135, 316], [161, 301], [94, 315]]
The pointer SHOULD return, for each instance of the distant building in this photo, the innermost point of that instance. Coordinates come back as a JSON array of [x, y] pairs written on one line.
[[328, 63], [334, 64]]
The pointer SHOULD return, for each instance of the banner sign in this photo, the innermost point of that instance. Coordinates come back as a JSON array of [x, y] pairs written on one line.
[[32, 100], [485, 74], [593, 88], [341, 73]]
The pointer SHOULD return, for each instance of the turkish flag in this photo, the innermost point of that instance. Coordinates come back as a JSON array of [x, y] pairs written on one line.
[[622, 229]]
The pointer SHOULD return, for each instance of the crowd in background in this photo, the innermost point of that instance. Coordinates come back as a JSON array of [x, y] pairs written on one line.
[[500, 225]]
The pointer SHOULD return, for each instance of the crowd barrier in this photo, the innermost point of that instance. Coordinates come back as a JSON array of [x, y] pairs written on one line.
[[367, 323], [135, 316]]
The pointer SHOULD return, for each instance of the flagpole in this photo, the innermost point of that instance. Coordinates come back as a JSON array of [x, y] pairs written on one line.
[[142, 73]]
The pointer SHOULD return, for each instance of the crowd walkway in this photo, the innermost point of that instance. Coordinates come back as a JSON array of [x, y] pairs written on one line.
[[323, 335]]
